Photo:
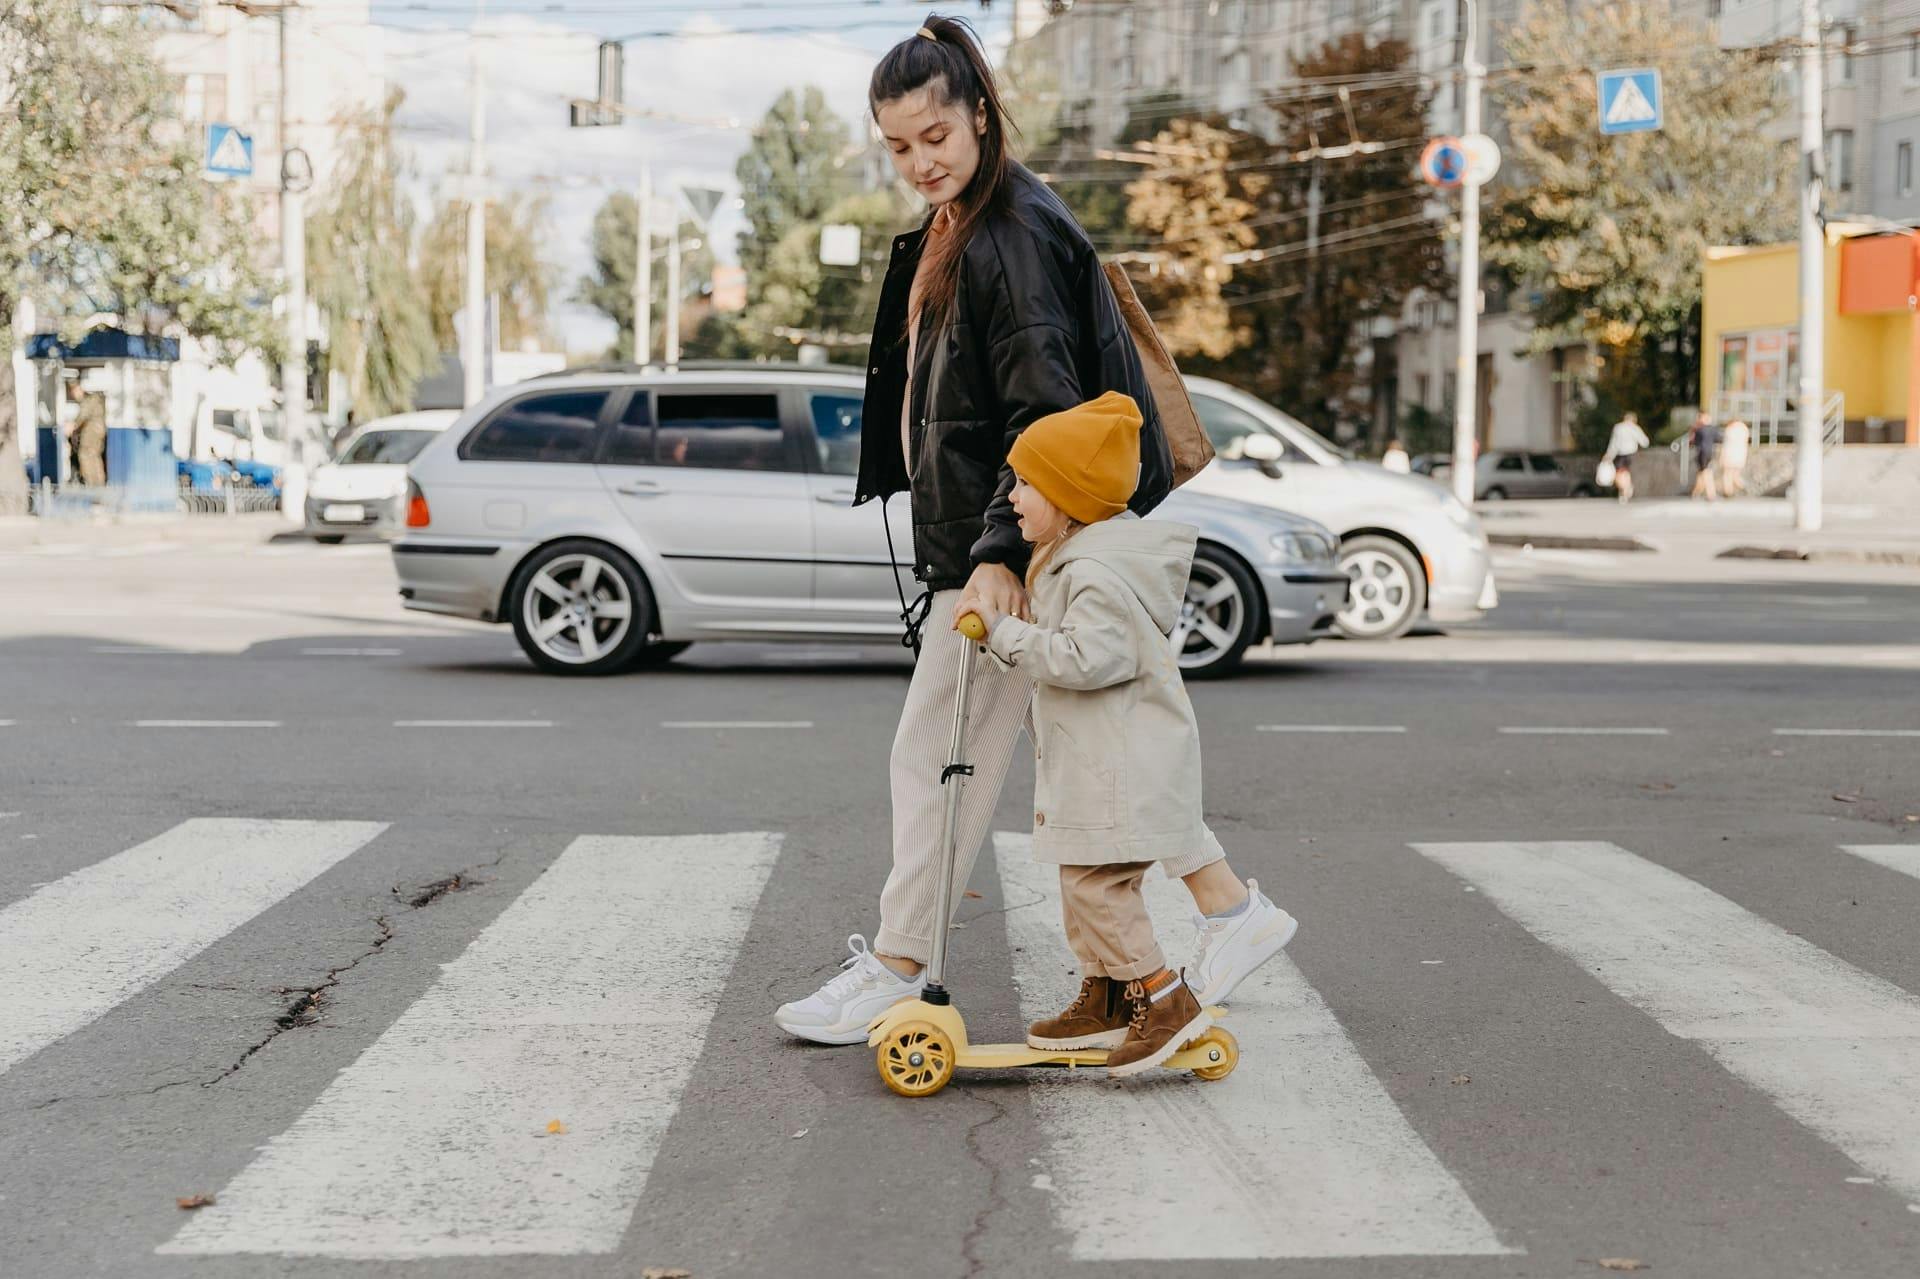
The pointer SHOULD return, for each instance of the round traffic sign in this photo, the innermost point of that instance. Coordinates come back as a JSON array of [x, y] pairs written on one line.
[[1444, 162], [1483, 159]]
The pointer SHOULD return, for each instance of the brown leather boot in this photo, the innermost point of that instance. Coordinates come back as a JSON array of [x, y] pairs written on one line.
[[1162, 1022], [1097, 1019]]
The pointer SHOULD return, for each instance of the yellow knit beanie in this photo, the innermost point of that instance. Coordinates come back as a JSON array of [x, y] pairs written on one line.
[[1086, 459]]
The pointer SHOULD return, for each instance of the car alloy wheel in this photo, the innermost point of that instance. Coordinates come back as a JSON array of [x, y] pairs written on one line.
[[576, 612], [1215, 624], [1388, 589]]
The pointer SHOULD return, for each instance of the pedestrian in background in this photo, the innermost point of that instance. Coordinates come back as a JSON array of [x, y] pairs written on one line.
[[1395, 459], [1733, 458], [994, 313], [1705, 441], [89, 435], [1627, 440]]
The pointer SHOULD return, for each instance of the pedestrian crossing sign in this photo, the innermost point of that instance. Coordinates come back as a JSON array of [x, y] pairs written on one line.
[[229, 152], [1630, 100]]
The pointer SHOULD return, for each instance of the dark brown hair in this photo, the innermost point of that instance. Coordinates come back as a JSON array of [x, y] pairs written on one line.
[[955, 68]]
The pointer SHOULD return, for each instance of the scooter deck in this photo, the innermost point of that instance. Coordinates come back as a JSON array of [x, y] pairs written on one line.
[[1013, 1056]]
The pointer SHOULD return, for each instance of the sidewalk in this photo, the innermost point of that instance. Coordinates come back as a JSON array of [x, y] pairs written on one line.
[[1739, 528], [18, 532]]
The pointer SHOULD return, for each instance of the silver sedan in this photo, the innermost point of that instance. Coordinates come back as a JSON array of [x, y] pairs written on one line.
[[613, 518]]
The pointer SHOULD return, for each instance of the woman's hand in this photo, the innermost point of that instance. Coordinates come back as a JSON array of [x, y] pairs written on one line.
[[994, 591]]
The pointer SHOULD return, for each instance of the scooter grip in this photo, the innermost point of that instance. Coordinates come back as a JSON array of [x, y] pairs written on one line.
[[974, 627]]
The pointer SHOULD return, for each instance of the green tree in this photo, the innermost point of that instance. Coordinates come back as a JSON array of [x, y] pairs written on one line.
[[516, 273], [360, 273], [1611, 230], [830, 305], [105, 208], [795, 169], [609, 289]]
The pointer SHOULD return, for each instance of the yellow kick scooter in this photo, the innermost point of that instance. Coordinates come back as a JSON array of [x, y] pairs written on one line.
[[918, 1044]]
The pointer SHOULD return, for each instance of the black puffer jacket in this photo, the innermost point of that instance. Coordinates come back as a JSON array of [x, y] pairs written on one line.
[[1034, 330]]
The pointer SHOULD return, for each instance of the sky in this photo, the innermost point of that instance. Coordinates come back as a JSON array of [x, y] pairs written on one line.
[[725, 59]]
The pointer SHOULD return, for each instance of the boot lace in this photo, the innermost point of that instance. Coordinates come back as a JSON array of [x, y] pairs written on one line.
[[1137, 995]]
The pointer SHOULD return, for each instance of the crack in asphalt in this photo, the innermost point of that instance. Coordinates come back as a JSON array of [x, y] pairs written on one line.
[[996, 1197], [304, 1011]]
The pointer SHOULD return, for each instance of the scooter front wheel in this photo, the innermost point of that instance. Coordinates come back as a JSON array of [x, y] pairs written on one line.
[[916, 1060], [1222, 1051]]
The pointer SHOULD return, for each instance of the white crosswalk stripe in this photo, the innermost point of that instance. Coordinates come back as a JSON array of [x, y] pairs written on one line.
[[1836, 1048], [1904, 858], [82, 944], [586, 1002], [1299, 1153]]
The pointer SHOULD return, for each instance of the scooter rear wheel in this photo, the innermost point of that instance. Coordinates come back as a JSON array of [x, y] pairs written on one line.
[[916, 1060], [1222, 1050]]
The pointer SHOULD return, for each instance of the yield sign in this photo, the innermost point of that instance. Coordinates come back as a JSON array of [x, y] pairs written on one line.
[[703, 201]]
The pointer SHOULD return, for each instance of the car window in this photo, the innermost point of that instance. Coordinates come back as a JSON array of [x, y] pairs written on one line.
[[836, 432], [720, 431], [632, 441], [539, 428], [1228, 426], [389, 447], [226, 420], [1511, 462], [1546, 462]]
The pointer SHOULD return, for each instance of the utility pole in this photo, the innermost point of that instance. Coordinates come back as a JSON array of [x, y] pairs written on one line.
[[293, 261], [473, 350], [1466, 390], [673, 292], [643, 270], [1810, 431]]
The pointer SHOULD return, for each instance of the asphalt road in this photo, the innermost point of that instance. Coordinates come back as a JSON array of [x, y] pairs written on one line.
[[1607, 947]]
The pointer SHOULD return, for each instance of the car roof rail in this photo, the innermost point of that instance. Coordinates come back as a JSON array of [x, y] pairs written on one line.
[[698, 366]]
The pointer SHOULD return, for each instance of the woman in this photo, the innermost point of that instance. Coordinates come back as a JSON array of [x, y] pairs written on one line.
[[993, 314]]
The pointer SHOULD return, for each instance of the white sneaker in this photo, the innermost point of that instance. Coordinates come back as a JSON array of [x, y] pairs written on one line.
[[839, 1011], [1226, 951]]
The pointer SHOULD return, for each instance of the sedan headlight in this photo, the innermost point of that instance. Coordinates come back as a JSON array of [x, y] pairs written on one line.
[[1306, 548]]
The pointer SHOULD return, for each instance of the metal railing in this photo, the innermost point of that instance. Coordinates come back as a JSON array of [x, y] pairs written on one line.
[[1773, 416], [82, 501]]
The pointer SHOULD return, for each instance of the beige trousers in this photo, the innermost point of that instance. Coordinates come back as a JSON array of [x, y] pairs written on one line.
[[996, 714], [1108, 929]]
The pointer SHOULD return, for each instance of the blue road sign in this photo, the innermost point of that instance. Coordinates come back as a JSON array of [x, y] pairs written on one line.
[[1630, 100], [1444, 162], [229, 152]]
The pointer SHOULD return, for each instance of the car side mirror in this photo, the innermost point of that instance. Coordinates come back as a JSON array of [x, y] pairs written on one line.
[[1265, 451]]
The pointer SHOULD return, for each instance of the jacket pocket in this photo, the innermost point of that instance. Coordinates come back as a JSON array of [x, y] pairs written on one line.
[[1078, 793]]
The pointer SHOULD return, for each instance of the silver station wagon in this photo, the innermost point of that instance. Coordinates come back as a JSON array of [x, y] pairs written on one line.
[[613, 517]]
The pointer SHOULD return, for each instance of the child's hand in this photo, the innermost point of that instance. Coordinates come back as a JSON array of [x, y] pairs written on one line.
[[990, 615]]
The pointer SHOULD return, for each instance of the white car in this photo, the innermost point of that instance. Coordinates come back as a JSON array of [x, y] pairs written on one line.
[[364, 488], [1410, 547]]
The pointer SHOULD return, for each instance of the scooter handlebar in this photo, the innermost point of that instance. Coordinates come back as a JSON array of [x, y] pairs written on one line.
[[974, 627]]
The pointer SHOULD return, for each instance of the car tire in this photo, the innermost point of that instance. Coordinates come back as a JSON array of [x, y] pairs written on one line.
[[1494, 494], [659, 654], [567, 631], [1219, 617], [1586, 490], [329, 539], [1389, 590]]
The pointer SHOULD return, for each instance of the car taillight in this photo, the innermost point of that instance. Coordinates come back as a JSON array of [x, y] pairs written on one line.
[[417, 514]]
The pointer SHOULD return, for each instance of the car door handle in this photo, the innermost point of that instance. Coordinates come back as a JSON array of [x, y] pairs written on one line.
[[641, 488], [835, 499]]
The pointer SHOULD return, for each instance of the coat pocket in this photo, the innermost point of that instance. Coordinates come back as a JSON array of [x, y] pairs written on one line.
[[1076, 792]]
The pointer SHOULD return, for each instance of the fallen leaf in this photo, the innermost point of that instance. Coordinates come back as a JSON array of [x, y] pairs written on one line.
[[803, 1132], [1621, 1263], [1463, 1079], [1847, 799], [1913, 817], [556, 1127], [1656, 786], [665, 1272], [973, 894], [190, 1202]]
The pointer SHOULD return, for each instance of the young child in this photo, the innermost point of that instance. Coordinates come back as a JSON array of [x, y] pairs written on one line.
[[1116, 750]]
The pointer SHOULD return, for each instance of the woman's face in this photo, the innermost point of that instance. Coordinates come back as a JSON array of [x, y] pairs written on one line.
[[935, 145], [1040, 520]]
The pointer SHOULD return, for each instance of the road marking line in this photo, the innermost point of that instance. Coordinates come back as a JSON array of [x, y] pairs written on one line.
[[1301, 1153], [473, 723], [1904, 858], [8, 723], [1846, 732], [136, 650], [206, 723], [90, 940], [1521, 730], [349, 652], [736, 723], [1836, 1048], [1330, 728], [587, 1001]]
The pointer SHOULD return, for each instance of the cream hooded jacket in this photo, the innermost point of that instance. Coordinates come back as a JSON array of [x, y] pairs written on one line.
[[1116, 749]]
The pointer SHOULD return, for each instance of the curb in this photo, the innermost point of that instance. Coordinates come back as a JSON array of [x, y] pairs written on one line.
[[1901, 559], [1560, 542]]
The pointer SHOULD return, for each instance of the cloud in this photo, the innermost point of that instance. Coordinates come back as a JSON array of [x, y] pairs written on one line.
[[534, 68]]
